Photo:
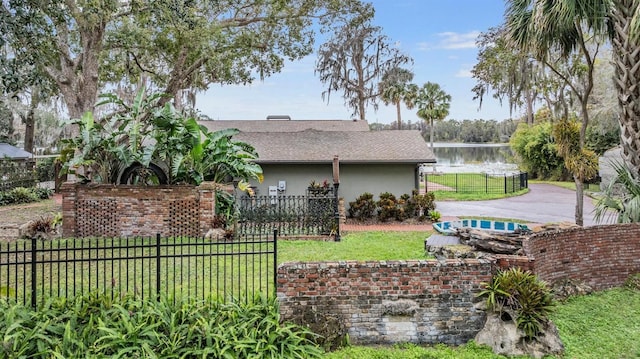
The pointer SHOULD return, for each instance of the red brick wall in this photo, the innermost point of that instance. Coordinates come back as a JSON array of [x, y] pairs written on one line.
[[124, 210], [601, 256], [425, 301]]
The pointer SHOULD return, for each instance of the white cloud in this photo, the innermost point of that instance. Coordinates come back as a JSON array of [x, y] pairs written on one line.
[[464, 73], [424, 46], [454, 40]]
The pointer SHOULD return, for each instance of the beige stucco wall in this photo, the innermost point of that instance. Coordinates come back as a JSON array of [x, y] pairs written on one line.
[[355, 179]]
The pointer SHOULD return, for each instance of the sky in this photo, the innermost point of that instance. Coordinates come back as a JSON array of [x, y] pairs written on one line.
[[438, 34]]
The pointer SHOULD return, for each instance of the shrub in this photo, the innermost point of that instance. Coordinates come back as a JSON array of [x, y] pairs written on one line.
[[46, 170], [42, 227], [521, 296], [434, 216], [18, 195], [423, 203], [387, 207], [21, 195], [363, 208], [633, 282], [102, 326], [42, 193]]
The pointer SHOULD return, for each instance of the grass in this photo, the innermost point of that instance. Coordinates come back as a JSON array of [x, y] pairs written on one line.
[[357, 246], [569, 185], [601, 325], [410, 351], [477, 196]]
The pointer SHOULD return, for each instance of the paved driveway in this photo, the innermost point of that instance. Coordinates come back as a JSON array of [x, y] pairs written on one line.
[[543, 204]]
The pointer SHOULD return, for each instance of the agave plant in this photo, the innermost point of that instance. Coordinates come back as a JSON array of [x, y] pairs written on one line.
[[620, 201]]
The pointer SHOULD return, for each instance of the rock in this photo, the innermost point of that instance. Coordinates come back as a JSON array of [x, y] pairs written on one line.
[[504, 337], [215, 234], [568, 287]]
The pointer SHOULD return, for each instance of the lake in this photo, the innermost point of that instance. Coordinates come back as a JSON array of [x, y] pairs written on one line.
[[473, 157]]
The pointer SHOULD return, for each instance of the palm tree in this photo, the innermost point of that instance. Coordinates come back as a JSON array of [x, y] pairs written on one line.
[[433, 104], [394, 87], [621, 198], [558, 24]]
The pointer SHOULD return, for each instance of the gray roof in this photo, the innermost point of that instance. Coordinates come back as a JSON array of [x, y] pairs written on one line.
[[287, 125], [7, 150], [313, 146]]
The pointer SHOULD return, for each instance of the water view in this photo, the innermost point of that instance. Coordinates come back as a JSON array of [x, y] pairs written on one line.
[[495, 158]]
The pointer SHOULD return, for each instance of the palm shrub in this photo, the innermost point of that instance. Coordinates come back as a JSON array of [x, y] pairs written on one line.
[[621, 199], [521, 296]]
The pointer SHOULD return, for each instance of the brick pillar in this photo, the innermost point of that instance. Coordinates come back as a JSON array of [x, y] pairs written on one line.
[[69, 193], [207, 205]]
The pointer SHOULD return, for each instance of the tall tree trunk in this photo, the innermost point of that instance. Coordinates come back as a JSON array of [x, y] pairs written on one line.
[[529, 99], [398, 116], [361, 109], [579, 201], [626, 59], [29, 125]]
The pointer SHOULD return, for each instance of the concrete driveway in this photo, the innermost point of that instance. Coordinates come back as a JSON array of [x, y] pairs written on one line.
[[543, 204]]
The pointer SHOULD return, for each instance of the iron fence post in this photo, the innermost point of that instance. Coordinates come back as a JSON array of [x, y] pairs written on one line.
[[158, 268], [33, 272], [486, 183], [275, 261], [505, 184], [336, 211]]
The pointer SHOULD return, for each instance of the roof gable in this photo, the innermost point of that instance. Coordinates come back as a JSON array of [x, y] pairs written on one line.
[[287, 125], [7, 150], [312, 146]]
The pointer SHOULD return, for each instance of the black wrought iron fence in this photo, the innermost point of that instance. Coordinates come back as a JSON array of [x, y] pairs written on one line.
[[33, 270], [476, 182], [311, 215]]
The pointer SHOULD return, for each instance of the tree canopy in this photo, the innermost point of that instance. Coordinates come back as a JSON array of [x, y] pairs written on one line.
[[353, 62], [171, 45]]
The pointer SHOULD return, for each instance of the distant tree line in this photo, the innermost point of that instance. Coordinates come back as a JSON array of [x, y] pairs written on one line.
[[467, 131]]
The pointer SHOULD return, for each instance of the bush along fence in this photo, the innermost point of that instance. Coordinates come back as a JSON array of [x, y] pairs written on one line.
[[476, 182], [177, 267]]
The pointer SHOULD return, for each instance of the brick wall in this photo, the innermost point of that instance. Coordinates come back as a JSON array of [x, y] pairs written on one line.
[[425, 301], [601, 256], [124, 210]]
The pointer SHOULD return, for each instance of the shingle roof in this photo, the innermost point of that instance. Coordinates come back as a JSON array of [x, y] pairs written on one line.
[[287, 125], [7, 150], [313, 146]]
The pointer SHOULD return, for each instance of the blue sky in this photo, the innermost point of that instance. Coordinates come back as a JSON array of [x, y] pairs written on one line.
[[438, 34]]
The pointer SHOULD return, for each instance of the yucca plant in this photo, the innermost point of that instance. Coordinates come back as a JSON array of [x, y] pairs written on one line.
[[519, 292]]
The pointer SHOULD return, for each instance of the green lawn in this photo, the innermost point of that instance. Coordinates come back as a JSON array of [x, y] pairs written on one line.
[[470, 196], [357, 246]]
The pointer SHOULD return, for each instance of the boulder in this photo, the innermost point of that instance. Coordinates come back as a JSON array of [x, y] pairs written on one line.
[[504, 337]]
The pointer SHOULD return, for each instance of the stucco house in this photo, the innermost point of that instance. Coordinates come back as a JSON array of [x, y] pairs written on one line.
[[293, 153]]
